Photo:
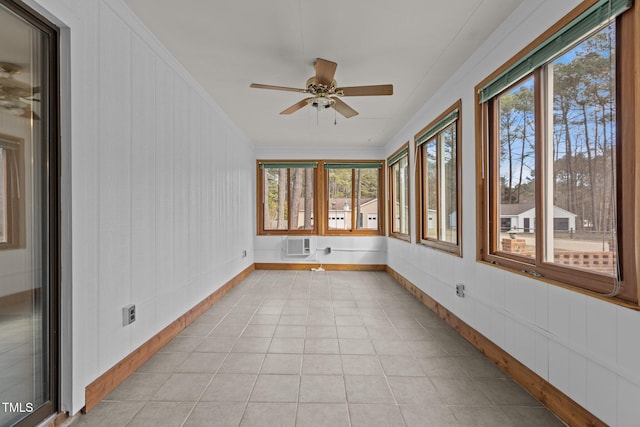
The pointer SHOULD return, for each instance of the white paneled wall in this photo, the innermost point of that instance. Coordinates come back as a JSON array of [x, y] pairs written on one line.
[[162, 205], [345, 249], [162, 188], [586, 347]]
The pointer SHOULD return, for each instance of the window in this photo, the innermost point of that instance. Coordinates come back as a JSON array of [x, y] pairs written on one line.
[[398, 165], [550, 153], [439, 183], [286, 202], [11, 192], [353, 197], [289, 191]]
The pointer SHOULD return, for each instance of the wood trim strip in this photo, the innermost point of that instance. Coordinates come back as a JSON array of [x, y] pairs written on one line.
[[21, 297], [108, 381], [555, 400], [309, 266]]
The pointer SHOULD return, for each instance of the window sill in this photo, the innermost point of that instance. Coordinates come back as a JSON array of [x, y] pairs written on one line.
[[403, 237], [455, 250]]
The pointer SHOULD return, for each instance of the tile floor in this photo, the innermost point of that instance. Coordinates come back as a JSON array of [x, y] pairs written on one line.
[[287, 348]]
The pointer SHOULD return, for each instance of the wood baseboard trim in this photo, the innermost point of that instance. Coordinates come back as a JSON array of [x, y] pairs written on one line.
[[105, 383], [559, 403], [22, 297], [309, 266]]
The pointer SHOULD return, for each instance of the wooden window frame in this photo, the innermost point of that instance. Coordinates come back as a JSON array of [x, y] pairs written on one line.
[[391, 193], [14, 193], [627, 179], [325, 230], [421, 202], [260, 202]]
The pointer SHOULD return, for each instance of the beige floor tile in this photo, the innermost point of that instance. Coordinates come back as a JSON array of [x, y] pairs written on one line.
[[259, 414], [241, 363], [321, 346], [368, 389], [327, 331], [165, 414], [287, 345], [372, 415], [322, 364], [361, 365], [532, 417], [437, 415], [109, 414], [183, 388], [276, 388], [164, 362], [266, 331], [356, 346], [322, 389], [251, 345], [290, 331], [287, 330], [282, 364], [229, 388], [216, 344], [139, 386], [482, 416], [215, 414], [322, 415], [414, 391], [197, 363], [400, 365], [352, 332], [460, 391]]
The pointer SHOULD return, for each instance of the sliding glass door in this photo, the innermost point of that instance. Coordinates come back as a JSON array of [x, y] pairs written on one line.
[[28, 216]]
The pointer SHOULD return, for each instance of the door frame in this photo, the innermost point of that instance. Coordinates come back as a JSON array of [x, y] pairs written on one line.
[[50, 175]]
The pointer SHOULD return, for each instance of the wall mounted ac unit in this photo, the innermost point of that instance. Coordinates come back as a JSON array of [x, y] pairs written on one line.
[[297, 246]]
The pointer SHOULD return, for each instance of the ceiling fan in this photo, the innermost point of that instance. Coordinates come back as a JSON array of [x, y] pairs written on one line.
[[325, 92], [16, 96]]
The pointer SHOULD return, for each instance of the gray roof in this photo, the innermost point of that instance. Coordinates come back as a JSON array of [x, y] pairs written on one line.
[[515, 208]]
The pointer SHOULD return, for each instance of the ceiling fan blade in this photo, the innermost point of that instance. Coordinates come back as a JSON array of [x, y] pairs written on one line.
[[15, 87], [288, 89], [325, 70], [295, 107], [366, 90], [342, 108]]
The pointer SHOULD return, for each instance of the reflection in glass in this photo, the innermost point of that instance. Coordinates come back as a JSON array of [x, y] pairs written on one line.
[[353, 198], [516, 168], [449, 220], [400, 171], [584, 146], [340, 198], [431, 186], [301, 190], [24, 281], [366, 198], [275, 197]]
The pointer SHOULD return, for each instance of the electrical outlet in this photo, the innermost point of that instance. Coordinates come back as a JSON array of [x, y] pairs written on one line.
[[328, 250], [460, 290], [128, 314]]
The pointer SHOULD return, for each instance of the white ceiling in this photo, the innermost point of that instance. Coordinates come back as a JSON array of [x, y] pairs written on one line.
[[413, 44]]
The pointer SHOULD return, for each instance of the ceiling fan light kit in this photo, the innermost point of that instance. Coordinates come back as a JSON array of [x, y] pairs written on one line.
[[16, 96], [325, 91]]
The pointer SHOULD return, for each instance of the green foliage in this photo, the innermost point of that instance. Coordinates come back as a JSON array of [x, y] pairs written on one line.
[[583, 134]]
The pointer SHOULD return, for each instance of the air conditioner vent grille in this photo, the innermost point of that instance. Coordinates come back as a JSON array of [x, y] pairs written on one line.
[[298, 246]]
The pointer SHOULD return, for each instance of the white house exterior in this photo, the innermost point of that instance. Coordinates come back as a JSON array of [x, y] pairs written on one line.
[[522, 216]]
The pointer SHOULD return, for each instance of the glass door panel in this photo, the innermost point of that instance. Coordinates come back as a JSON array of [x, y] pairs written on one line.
[[26, 330]]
